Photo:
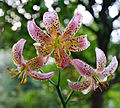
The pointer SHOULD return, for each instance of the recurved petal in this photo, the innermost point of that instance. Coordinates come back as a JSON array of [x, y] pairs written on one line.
[[37, 34], [72, 27], [84, 69], [61, 58], [43, 51], [110, 68], [17, 52], [87, 90], [52, 24], [36, 63], [40, 76], [78, 86], [101, 59], [77, 44]]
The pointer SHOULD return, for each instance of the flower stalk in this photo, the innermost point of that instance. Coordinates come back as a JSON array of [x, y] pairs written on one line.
[[59, 91], [64, 102]]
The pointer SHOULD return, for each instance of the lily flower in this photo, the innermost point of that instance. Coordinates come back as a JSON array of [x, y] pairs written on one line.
[[27, 68], [95, 77], [61, 44]]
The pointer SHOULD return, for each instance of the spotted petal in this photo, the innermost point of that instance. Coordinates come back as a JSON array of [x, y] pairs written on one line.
[[51, 22], [77, 44], [92, 86], [87, 90], [40, 76], [43, 51], [72, 27], [101, 59], [79, 86], [61, 58], [37, 34], [36, 63], [17, 52], [84, 69], [110, 68]]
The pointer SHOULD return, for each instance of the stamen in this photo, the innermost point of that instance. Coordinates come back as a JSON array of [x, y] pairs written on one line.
[[20, 75], [98, 82], [109, 78], [112, 75], [11, 70], [14, 75], [99, 87], [107, 84], [24, 79], [8, 68], [103, 84]]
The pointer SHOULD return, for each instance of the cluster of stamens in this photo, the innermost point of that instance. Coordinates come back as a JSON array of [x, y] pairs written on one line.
[[14, 73], [100, 84]]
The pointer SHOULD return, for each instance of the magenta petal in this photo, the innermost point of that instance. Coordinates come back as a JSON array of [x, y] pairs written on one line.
[[84, 69], [17, 52], [72, 27], [77, 44], [101, 59], [52, 23], [40, 76], [43, 51], [79, 86], [37, 34], [110, 68], [36, 63]]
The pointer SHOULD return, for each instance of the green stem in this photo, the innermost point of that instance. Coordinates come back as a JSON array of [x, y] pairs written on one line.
[[59, 90], [61, 96], [64, 102], [72, 92], [69, 96], [59, 77], [52, 82]]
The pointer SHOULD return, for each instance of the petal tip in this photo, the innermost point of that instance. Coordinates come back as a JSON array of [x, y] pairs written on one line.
[[22, 40], [30, 22], [96, 49], [115, 59], [68, 80], [53, 72], [37, 44]]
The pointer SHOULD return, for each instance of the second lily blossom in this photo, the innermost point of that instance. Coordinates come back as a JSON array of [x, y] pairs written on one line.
[[55, 41], [27, 68], [93, 76]]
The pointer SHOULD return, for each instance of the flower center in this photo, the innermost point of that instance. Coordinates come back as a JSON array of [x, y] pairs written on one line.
[[56, 41], [98, 82]]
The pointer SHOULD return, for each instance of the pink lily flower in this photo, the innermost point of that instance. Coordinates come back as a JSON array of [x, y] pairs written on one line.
[[94, 76], [55, 41], [27, 68]]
